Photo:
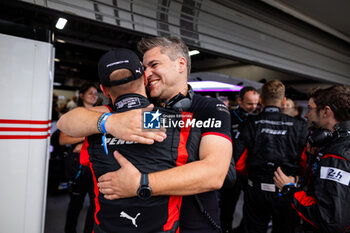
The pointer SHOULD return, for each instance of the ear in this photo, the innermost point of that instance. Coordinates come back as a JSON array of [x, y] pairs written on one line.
[[239, 100], [105, 91], [284, 101], [260, 100], [328, 112], [182, 64]]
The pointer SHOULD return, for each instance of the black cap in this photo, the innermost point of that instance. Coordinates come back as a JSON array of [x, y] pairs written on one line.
[[116, 59]]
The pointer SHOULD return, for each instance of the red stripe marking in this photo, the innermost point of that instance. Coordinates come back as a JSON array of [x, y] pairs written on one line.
[[24, 136], [11, 129], [96, 190], [217, 134], [302, 162], [175, 202], [304, 199], [334, 156], [348, 228], [109, 108], [241, 165], [84, 154], [303, 217], [8, 121]]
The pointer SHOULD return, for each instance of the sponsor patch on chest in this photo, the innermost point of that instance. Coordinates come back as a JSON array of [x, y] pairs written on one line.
[[334, 174]]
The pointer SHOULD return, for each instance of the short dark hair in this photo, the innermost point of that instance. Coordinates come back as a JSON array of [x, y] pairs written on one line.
[[173, 47], [244, 90], [337, 97]]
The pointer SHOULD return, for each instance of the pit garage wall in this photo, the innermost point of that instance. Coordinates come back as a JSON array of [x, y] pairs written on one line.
[[26, 74], [229, 27]]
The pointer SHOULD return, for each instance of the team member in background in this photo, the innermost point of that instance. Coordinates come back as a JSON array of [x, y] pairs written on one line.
[[323, 199], [290, 108], [247, 100], [267, 141], [81, 178], [167, 66]]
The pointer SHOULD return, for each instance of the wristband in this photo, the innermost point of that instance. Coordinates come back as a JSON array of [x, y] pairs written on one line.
[[101, 122], [291, 184], [286, 189]]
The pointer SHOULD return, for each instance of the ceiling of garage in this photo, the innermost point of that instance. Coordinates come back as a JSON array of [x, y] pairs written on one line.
[[83, 41]]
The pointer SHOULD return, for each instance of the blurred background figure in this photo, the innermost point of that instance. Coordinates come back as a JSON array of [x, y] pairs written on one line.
[[248, 100], [72, 103], [225, 100], [81, 181], [290, 108]]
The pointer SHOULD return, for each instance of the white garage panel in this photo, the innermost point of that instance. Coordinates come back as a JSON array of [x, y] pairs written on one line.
[[25, 102]]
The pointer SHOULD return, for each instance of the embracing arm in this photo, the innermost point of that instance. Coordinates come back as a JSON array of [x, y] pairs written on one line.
[[81, 122], [200, 176]]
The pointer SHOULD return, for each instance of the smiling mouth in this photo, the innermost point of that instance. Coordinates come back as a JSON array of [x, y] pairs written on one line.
[[152, 83]]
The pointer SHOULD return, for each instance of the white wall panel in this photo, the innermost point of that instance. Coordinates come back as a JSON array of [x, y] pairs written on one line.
[[26, 68]]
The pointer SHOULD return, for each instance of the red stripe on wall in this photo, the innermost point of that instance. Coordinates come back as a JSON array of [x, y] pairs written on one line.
[[9, 121], [174, 205], [24, 136], [14, 129]]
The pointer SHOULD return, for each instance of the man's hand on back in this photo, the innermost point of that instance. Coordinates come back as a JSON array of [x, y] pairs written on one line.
[[121, 183]]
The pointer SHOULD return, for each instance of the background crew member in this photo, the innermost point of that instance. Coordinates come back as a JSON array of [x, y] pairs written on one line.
[[323, 200], [270, 139], [167, 66], [247, 100], [81, 177]]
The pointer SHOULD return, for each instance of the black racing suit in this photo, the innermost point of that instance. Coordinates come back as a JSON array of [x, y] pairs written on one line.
[[193, 219], [267, 141], [157, 214], [229, 194], [324, 202]]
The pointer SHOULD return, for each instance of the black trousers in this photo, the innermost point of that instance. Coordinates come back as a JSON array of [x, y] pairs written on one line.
[[81, 186], [260, 206], [228, 201]]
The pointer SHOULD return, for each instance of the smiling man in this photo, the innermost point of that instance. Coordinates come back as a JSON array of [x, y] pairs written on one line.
[[167, 65]]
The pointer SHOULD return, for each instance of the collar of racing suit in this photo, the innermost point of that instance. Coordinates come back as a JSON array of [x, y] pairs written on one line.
[[271, 109], [130, 101]]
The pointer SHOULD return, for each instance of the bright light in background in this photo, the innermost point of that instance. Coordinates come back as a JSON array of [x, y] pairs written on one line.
[[57, 84], [193, 52], [57, 60], [61, 22], [213, 86], [61, 41]]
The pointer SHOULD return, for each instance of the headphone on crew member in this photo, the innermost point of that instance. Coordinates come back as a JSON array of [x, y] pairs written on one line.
[[181, 102], [321, 137]]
